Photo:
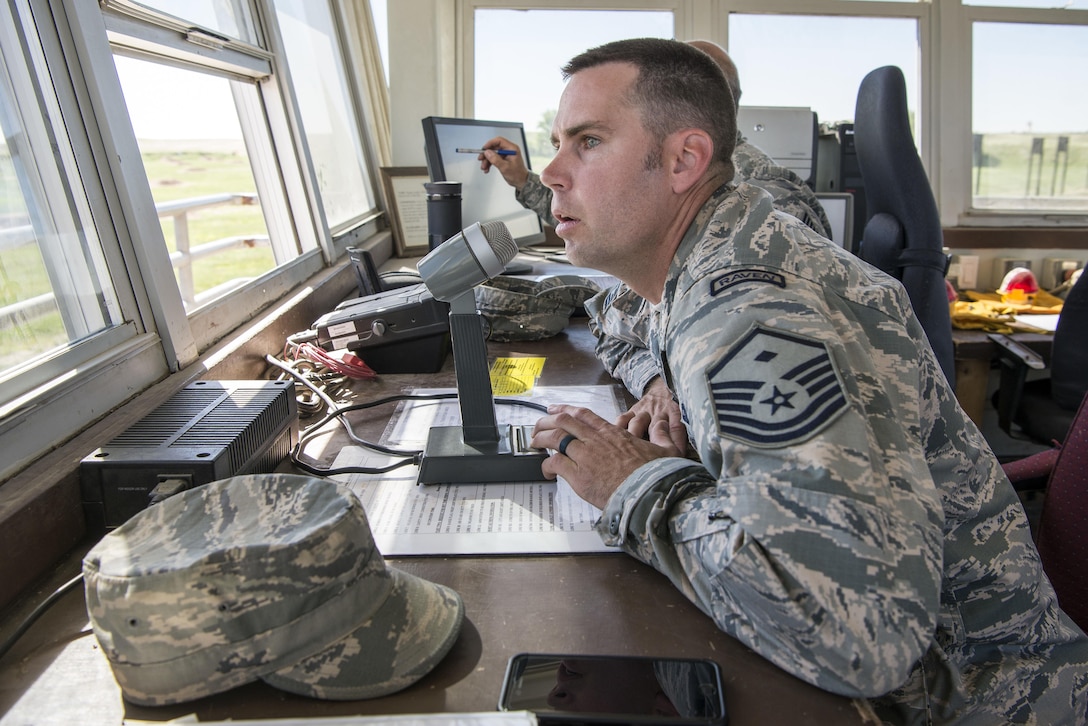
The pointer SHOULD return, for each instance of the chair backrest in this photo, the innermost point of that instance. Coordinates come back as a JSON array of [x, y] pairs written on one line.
[[1069, 354], [1063, 523], [902, 234]]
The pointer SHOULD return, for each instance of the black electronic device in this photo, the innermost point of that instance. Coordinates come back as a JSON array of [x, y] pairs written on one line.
[[850, 180], [404, 330], [600, 689], [207, 431]]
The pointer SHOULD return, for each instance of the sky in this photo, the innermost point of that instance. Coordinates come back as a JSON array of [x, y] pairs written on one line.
[[816, 62], [1027, 78]]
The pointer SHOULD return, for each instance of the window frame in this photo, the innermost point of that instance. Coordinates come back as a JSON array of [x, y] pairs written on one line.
[[156, 337], [139, 32], [945, 56], [957, 188]]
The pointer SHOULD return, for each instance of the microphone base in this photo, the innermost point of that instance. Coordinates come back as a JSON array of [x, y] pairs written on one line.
[[447, 459]]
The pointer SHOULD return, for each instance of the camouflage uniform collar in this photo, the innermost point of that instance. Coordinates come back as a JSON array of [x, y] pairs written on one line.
[[694, 235]]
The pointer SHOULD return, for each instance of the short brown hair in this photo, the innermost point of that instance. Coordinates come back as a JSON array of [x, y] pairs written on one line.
[[678, 87]]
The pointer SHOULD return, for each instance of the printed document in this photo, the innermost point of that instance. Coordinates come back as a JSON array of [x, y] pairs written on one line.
[[516, 518]]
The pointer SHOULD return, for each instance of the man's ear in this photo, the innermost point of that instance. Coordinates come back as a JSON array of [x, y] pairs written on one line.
[[689, 155]]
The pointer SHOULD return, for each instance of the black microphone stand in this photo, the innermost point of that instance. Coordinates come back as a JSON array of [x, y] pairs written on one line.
[[478, 451]]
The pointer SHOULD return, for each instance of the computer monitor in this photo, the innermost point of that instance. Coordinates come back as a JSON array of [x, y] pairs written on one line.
[[839, 207], [484, 197]]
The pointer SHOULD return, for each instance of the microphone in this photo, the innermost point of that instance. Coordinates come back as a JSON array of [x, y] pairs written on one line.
[[473, 255], [479, 450]]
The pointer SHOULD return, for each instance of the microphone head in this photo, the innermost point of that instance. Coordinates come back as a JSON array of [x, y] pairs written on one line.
[[462, 262], [502, 243]]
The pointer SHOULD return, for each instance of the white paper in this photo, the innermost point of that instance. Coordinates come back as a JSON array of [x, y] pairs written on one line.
[[1045, 322], [516, 518]]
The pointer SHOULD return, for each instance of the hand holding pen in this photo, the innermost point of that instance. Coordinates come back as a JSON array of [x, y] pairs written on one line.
[[505, 156]]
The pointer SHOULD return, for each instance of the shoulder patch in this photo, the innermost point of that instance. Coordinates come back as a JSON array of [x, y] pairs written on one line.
[[775, 389], [736, 277]]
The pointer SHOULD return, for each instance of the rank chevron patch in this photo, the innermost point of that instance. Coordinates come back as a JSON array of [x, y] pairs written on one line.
[[775, 389]]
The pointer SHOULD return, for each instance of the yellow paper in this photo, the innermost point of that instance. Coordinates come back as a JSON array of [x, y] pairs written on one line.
[[515, 376]]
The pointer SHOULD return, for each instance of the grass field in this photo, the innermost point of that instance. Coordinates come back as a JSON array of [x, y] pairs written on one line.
[[1010, 176], [1011, 171], [174, 172]]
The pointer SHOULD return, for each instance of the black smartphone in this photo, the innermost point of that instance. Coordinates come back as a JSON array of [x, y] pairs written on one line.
[[602, 689]]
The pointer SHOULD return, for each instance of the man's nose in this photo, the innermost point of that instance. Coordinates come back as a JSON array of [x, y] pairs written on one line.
[[553, 176]]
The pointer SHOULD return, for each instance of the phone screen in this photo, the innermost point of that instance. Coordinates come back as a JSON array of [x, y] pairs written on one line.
[[614, 689]]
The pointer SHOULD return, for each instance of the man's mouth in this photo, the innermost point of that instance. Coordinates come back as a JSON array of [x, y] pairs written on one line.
[[563, 221]]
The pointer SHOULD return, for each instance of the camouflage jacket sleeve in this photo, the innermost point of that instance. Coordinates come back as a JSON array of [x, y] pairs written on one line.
[[818, 543], [537, 197], [620, 319]]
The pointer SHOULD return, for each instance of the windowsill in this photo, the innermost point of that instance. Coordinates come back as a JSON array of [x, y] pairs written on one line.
[[1067, 238], [41, 512]]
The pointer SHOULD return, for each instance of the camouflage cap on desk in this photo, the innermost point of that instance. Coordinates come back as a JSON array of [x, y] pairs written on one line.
[[271, 576], [522, 308]]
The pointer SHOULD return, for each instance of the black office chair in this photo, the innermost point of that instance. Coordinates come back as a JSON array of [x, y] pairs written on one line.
[[1044, 408], [902, 235]]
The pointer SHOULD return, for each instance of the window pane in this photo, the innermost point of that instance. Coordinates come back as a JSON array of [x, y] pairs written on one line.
[[198, 165], [843, 50], [529, 90], [54, 287], [1029, 121], [229, 17], [379, 11], [325, 102]]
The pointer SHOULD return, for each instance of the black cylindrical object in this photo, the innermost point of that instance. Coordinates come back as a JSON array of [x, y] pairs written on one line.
[[443, 211]]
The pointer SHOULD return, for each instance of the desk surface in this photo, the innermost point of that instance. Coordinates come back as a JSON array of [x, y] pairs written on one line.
[[974, 353], [609, 603]]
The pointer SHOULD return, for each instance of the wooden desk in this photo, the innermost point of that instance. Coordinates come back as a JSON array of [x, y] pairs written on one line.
[[606, 603], [974, 353]]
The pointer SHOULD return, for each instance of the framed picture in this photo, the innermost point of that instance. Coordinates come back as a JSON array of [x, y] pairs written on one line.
[[407, 203]]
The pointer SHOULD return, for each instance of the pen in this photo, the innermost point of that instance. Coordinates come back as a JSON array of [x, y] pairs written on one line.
[[500, 152]]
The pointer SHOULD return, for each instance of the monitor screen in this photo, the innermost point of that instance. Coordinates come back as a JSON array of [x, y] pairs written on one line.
[[839, 207], [484, 197]]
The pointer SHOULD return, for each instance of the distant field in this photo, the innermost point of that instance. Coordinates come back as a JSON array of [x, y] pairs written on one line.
[[1010, 168], [186, 173], [1010, 175], [175, 171]]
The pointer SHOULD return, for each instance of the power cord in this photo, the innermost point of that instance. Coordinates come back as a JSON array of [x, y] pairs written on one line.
[[38, 612], [411, 457]]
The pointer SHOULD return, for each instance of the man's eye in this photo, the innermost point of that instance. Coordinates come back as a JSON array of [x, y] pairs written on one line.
[[590, 142]]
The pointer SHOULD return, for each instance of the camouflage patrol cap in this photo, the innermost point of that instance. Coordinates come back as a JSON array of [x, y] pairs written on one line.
[[520, 308], [271, 576]]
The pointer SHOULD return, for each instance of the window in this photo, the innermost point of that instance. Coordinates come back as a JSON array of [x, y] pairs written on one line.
[[201, 177], [66, 300], [160, 185], [318, 75], [56, 288], [529, 91], [212, 120], [847, 48], [1029, 124], [232, 19]]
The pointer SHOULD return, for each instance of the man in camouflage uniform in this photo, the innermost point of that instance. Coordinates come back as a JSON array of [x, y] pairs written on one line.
[[639, 373], [844, 518]]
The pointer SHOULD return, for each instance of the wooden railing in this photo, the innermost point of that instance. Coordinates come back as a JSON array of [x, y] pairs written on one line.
[[181, 258]]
